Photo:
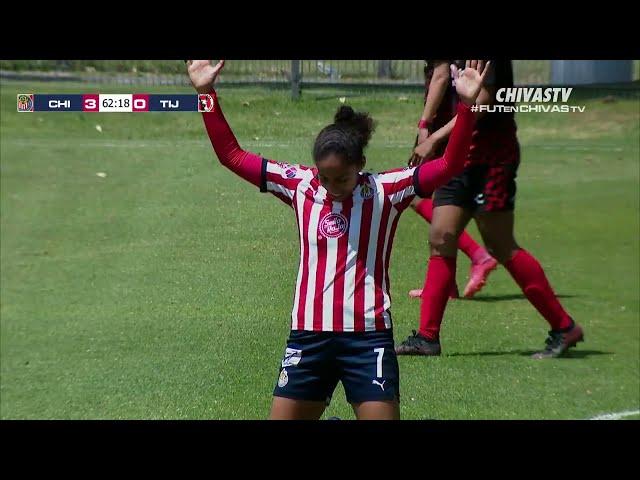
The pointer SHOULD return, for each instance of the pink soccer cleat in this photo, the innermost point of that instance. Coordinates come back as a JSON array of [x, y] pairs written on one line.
[[478, 276]]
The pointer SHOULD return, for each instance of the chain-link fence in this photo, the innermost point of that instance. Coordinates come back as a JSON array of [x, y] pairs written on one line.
[[297, 73], [390, 72]]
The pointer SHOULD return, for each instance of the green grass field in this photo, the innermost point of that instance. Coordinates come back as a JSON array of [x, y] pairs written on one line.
[[163, 291]]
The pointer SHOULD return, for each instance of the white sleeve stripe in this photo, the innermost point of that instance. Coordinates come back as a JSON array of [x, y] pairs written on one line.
[[275, 169], [401, 194], [394, 177], [276, 187]]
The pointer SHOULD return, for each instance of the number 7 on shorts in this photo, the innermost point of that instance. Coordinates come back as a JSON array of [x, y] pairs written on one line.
[[380, 352]]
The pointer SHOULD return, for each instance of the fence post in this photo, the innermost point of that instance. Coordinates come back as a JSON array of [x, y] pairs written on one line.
[[296, 75], [384, 69]]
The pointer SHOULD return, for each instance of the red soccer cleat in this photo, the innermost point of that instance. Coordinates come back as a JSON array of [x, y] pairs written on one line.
[[478, 276]]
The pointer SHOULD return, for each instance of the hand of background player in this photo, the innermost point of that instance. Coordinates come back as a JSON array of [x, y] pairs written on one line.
[[423, 134], [423, 152], [469, 81], [202, 74]]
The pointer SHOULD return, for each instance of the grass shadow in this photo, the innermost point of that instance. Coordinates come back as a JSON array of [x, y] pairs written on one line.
[[512, 296], [573, 353]]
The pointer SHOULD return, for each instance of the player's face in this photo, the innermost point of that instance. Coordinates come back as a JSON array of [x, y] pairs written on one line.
[[338, 177]]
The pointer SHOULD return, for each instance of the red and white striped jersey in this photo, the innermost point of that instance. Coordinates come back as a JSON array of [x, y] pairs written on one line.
[[345, 247]]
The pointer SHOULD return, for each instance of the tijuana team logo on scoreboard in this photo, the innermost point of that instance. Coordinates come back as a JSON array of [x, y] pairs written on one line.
[[25, 102], [205, 102]]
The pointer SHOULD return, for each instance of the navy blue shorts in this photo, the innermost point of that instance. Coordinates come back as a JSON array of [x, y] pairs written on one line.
[[314, 362]]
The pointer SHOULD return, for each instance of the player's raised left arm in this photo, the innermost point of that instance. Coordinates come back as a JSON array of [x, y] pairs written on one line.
[[247, 165]]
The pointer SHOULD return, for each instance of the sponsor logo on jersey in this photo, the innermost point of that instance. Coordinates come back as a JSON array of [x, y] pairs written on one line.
[[333, 225]]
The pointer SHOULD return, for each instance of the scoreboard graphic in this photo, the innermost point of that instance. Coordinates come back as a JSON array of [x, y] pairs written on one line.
[[116, 103]]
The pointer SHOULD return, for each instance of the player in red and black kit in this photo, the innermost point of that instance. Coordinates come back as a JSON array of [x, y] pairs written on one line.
[[485, 191], [439, 108], [341, 328]]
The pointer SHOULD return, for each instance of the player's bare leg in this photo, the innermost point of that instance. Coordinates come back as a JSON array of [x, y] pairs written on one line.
[[496, 229], [289, 409], [448, 222], [423, 207], [482, 263], [377, 410]]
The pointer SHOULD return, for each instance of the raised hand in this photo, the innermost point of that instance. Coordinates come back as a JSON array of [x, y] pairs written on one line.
[[203, 74], [469, 81]]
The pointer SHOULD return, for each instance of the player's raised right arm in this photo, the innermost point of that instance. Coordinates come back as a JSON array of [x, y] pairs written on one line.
[[245, 164]]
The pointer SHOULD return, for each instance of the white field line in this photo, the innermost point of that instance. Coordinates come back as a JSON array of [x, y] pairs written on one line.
[[616, 416]]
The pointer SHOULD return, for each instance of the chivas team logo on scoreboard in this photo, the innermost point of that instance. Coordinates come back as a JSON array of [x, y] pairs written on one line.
[[25, 102]]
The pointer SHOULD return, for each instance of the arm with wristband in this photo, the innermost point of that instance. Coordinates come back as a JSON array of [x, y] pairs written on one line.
[[438, 84], [435, 93], [437, 172], [485, 97], [433, 174]]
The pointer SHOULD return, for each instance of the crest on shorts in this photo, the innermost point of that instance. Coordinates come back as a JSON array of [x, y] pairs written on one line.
[[284, 378]]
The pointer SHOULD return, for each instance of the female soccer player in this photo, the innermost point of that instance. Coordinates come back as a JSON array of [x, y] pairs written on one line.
[[439, 109], [485, 191], [341, 326]]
